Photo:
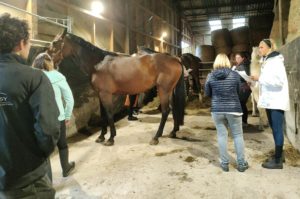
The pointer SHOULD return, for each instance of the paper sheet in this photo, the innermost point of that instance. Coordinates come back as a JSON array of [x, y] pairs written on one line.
[[246, 77]]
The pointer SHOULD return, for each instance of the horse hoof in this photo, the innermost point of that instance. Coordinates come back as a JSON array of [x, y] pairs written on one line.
[[154, 142], [109, 143], [132, 118], [99, 140], [172, 135]]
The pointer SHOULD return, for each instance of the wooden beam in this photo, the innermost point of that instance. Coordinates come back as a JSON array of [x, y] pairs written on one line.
[[280, 22], [258, 4]]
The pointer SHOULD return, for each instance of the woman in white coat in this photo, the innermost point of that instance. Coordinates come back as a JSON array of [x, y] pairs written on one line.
[[273, 96]]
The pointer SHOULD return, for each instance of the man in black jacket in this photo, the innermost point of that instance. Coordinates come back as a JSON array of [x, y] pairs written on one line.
[[29, 126]]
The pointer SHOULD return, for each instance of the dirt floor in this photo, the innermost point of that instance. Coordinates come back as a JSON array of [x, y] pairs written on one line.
[[176, 168]]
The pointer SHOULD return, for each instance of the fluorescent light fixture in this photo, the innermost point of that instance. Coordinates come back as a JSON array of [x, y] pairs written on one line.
[[238, 22], [97, 7], [215, 25]]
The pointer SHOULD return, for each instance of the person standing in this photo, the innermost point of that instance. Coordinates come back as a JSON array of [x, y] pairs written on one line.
[[243, 65], [223, 85], [29, 128], [63, 95], [273, 96]]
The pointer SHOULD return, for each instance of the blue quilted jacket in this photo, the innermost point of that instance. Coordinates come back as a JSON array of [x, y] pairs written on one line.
[[222, 85]]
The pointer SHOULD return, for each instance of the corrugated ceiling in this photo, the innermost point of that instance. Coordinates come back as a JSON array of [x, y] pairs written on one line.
[[199, 12]]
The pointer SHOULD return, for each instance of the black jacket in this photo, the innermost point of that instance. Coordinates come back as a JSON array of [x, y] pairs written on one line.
[[222, 85], [29, 126]]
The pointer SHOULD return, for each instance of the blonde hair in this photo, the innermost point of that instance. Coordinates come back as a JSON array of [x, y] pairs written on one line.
[[221, 61], [44, 62]]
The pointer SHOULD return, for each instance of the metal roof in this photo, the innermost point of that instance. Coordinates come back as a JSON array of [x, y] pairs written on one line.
[[199, 12]]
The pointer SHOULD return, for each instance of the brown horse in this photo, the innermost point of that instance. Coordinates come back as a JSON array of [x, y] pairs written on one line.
[[115, 74], [194, 63]]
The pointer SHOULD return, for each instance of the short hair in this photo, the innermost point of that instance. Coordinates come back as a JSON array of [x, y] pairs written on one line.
[[221, 61], [243, 54], [44, 62], [12, 31]]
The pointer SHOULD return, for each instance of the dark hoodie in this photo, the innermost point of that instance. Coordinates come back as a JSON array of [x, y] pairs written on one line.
[[222, 85], [29, 127]]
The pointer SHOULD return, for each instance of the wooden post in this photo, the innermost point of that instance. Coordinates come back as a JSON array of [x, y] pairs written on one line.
[[94, 32], [280, 22], [128, 25], [31, 7], [111, 43]]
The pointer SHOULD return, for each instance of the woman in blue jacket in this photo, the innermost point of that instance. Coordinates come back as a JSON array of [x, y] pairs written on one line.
[[222, 85], [62, 91]]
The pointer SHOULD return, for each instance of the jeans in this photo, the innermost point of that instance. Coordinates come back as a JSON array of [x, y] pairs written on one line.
[[276, 118], [39, 189], [235, 124]]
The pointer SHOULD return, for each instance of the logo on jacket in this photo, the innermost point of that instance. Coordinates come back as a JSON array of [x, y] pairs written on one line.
[[4, 101]]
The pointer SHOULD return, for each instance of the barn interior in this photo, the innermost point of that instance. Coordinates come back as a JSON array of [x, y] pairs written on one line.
[[203, 28]]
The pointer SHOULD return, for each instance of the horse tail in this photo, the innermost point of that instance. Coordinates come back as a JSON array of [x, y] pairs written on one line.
[[178, 100]]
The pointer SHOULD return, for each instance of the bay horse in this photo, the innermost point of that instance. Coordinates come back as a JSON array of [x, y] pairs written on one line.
[[112, 75], [194, 64]]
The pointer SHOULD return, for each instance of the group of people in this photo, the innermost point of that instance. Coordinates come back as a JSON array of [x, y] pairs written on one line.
[[229, 92], [36, 105], [33, 117]]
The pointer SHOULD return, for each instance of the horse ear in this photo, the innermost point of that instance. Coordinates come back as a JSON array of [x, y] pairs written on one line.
[[61, 35]]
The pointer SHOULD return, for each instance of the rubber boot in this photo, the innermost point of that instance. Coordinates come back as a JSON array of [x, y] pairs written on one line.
[[67, 167], [275, 163]]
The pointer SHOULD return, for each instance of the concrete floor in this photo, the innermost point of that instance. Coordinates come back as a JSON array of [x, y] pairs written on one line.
[[176, 168]]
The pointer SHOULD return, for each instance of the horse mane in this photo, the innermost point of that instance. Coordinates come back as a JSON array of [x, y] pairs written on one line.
[[89, 46], [255, 62]]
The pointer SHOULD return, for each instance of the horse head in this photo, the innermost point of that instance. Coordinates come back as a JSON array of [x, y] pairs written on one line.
[[55, 48], [255, 57]]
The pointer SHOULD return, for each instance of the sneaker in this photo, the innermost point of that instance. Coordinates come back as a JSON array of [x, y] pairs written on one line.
[[242, 167], [224, 167]]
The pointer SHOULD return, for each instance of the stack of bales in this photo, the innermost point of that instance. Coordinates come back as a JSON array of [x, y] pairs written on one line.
[[221, 40], [240, 39], [207, 53]]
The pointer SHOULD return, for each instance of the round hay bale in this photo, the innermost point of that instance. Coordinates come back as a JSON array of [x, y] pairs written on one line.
[[207, 53], [220, 38], [241, 48], [240, 35], [225, 49], [258, 35]]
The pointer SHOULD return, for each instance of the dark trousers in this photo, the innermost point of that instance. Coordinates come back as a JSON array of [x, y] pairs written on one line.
[[276, 118], [62, 141], [39, 189], [243, 96]]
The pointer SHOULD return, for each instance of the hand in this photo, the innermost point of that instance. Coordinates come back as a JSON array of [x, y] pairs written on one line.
[[255, 78], [67, 122]]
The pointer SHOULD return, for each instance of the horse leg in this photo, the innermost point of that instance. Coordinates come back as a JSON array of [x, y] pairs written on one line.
[[254, 105], [106, 99], [132, 99], [165, 110], [101, 137]]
